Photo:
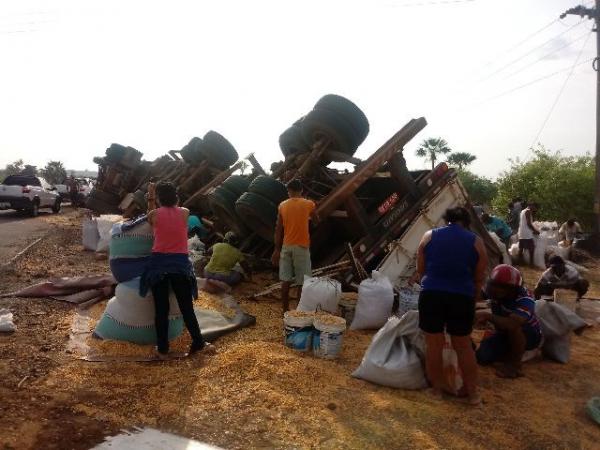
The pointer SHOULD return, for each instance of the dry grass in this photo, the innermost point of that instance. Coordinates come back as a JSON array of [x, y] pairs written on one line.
[[256, 393]]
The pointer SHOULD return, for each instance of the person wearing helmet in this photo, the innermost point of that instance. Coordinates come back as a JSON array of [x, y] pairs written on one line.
[[451, 264], [516, 326], [224, 256]]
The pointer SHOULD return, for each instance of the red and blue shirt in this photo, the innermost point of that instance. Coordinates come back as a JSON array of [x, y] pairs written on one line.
[[522, 306]]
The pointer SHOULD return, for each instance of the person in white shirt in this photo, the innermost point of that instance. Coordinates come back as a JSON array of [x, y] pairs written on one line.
[[527, 231], [569, 231], [560, 276]]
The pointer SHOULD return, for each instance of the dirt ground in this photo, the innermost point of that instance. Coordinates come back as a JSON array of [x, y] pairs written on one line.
[[255, 393]]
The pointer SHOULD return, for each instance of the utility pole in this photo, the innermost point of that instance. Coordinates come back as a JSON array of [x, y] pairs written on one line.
[[593, 14]]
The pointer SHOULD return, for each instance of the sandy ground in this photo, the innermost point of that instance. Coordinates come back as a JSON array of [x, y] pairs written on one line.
[[255, 393]]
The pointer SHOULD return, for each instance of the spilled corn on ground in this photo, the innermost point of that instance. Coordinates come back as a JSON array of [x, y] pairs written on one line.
[[255, 393]]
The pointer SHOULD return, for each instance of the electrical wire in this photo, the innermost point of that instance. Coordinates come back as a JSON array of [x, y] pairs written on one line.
[[537, 80], [431, 3], [532, 35], [560, 92], [523, 56], [562, 47]]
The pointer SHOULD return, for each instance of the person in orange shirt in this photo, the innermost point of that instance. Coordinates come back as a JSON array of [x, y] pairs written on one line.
[[292, 240]]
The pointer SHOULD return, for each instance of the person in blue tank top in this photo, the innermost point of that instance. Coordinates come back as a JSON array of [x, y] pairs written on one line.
[[451, 264]]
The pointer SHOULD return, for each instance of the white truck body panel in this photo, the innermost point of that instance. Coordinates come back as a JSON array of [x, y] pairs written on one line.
[[399, 264]]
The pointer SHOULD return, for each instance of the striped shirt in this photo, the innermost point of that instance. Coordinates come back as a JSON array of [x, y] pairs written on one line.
[[522, 306]]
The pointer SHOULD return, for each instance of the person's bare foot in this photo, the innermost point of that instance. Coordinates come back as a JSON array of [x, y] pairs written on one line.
[[471, 400], [161, 356], [436, 392], [206, 349]]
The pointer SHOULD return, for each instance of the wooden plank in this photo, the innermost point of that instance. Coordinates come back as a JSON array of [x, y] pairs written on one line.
[[369, 167]]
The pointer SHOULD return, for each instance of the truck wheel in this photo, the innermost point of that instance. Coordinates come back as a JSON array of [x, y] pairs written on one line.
[[291, 141], [56, 207], [34, 211], [258, 213], [191, 152], [222, 204], [269, 188], [236, 184], [349, 111], [100, 207], [218, 150], [324, 123]]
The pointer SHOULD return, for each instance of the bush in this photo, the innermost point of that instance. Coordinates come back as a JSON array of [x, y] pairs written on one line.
[[481, 190], [562, 185]]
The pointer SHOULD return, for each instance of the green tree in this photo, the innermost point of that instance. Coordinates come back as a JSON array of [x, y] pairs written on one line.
[[481, 190], [54, 172], [562, 185], [432, 149], [14, 168], [29, 170], [461, 159]]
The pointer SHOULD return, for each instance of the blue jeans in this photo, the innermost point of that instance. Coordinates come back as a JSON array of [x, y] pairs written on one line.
[[495, 347], [232, 278]]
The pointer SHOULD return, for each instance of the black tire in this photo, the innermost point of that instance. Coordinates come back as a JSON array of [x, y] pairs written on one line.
[[218, 150], [191, 152], [236, 184], [34, 211], [105, 197], [100, 207], [258, 214], [222, 204], [270, 188], [349, 111], [324, 123], [115, 153], [56, 206], [292, 142]]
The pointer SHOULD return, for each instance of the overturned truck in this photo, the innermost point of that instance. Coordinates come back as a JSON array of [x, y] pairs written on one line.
[[371, 216]]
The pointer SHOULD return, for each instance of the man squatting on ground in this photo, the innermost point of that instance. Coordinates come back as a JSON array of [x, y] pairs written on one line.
[[560, 276]]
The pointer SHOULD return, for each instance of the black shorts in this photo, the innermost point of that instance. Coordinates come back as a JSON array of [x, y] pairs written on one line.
[[526, 244], [444, 310]]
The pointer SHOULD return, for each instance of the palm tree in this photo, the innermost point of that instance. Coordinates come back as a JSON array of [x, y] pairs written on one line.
[[431, 149], [461, 159]]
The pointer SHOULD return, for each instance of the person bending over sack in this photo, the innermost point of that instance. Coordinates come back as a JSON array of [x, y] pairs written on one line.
[[169, 266], [225, 256], [517, 328], [560, 276]]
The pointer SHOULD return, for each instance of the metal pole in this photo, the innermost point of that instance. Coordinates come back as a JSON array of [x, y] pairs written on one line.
[[597, 68]]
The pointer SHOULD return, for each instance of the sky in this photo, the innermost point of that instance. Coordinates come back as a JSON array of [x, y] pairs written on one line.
[[79, 75]]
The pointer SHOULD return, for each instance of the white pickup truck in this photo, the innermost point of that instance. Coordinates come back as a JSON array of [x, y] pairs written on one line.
[[28, 193]]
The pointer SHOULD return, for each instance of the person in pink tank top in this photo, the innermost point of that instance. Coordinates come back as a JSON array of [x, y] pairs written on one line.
[[170, 267]]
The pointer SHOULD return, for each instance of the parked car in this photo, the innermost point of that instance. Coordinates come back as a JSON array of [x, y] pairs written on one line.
[[85, 187], [63, 191], [28, 193]]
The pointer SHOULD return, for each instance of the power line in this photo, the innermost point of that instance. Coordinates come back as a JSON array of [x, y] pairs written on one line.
[[532, 35], [502, 94], [431, 3], [523, 56], [560, 92], [562, 47]]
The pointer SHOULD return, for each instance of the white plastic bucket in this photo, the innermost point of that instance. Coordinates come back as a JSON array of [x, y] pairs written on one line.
[[347, 306], [298, 330], [328, 336]]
